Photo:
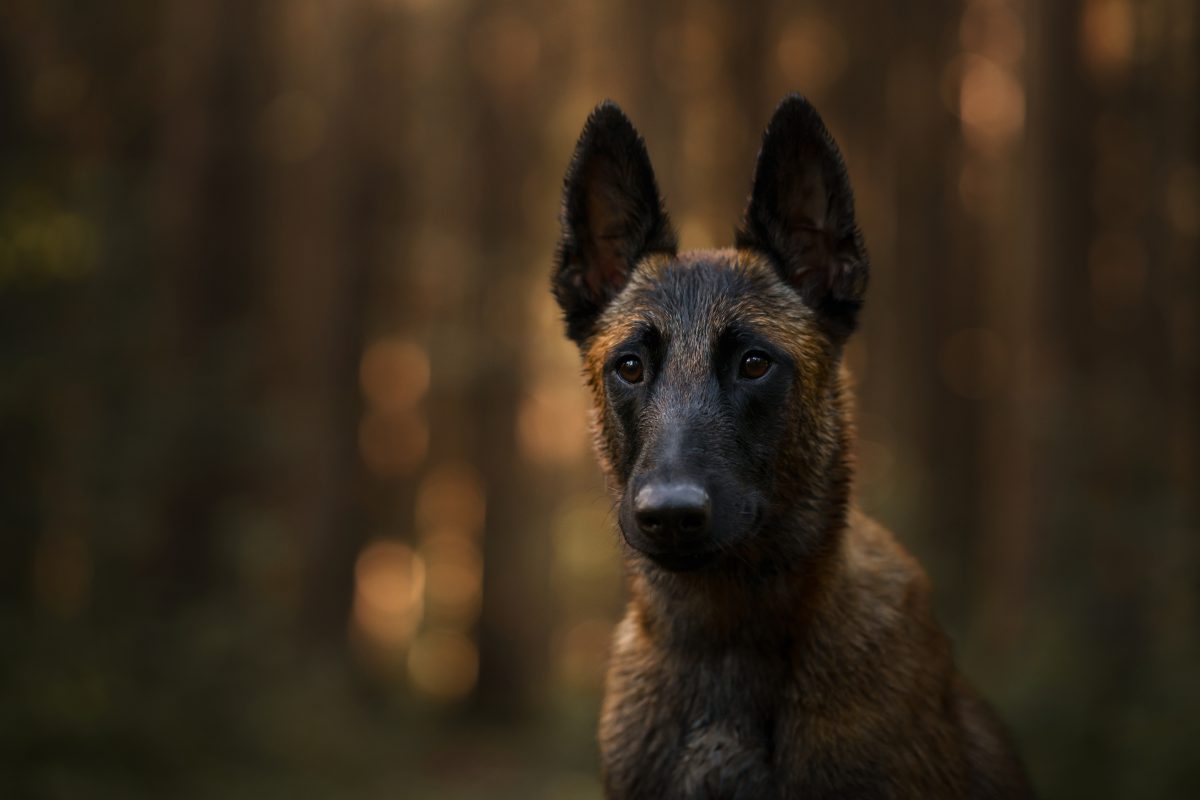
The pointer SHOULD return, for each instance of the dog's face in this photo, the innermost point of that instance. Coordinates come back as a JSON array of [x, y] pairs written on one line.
[[697, 367], [714, 373]]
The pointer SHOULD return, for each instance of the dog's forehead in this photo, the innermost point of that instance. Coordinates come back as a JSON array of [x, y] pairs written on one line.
[[690, 299]]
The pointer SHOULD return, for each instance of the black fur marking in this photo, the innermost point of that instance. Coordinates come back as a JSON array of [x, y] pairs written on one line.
[[692, 418], [801, 214], [612, 216], [629, 400]]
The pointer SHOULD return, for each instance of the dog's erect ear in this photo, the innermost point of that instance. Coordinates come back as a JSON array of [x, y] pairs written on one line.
[[801, 213], [612, 216]]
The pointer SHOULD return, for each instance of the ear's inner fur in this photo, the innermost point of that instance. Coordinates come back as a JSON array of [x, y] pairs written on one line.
[[610, 231]]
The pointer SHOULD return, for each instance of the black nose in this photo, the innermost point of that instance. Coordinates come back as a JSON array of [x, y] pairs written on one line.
[[674, 511]]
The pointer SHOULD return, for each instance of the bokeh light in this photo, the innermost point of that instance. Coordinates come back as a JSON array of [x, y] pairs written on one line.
[[389, 594], [443, 664]]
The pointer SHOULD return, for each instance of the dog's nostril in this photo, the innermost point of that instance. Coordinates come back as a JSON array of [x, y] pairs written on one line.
[[679, 508], [692, 520], [649, 522]]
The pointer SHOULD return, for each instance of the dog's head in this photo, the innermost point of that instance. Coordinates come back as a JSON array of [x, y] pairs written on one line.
[[715, 374]]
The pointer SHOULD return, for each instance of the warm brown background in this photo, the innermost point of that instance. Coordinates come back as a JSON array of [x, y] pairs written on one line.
[[295, 491]]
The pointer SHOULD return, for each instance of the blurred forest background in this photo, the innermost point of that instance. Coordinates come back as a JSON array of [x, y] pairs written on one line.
[[296, 496]]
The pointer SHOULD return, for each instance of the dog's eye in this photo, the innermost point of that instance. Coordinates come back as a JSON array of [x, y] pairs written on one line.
[[630, 369], [754, 366]]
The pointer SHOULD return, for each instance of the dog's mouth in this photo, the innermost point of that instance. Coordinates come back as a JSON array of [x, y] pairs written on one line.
[[681, 561], [687, 556]]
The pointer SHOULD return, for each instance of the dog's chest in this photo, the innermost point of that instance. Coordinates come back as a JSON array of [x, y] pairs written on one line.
[[704, 730], [724, 759]]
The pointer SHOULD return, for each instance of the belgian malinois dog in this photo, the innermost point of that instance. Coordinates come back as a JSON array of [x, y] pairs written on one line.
[[778, 643]]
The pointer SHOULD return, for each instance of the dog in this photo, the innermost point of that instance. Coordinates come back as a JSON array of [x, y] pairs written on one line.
[[777, 642]]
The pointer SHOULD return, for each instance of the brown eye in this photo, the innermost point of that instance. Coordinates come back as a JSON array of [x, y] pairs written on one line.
[[754, 366], [630, 369]]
